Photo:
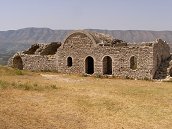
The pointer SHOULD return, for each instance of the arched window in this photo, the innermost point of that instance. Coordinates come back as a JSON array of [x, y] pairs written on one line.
[[133, 63], [107, 65], [69, 61]]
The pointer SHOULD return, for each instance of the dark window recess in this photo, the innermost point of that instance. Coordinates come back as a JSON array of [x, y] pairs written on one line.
[[69, 61]]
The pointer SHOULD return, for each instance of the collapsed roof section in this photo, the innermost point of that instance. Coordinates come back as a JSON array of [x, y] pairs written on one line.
[[43, 49]]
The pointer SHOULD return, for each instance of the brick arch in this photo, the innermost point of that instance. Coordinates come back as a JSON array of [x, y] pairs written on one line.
[[80, 32]]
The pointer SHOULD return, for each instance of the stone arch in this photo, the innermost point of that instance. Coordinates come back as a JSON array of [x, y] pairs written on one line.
[[17, 62], [133, 63], [69, 61], [80, 32], [89, 65], [107, 65]]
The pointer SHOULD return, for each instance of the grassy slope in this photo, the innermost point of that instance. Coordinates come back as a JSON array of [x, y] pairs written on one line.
[[29, 100]]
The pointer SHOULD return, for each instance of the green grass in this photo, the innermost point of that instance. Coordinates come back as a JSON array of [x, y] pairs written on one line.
[[26, 86], [19, 72], [7, 71]]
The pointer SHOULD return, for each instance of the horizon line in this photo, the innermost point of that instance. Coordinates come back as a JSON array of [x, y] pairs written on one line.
[[82, 29]]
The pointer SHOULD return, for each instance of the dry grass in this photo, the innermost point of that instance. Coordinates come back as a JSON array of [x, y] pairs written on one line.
[[46, 101]]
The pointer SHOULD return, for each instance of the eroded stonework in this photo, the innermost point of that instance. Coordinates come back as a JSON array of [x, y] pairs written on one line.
[[84, 52]]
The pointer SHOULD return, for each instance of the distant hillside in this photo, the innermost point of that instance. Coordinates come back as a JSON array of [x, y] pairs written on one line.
[[16, 40]]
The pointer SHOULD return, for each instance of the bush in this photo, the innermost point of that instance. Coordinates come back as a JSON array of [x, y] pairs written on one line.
[[18, 72], [53, 86]]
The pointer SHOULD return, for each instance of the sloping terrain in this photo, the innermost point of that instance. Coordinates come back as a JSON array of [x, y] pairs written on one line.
[[17, 40], [58, 101]]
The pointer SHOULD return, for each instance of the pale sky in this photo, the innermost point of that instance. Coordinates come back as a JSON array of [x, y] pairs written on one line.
[[86, 14]]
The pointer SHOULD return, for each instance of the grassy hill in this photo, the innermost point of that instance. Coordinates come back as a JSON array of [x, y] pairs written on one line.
[[52, 100]]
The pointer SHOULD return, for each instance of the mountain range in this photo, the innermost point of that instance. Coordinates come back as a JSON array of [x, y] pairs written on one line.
[[12, 41]]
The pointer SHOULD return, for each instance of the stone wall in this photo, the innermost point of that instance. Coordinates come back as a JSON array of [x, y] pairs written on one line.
[[79, 46], [34, 62], [39, 63]]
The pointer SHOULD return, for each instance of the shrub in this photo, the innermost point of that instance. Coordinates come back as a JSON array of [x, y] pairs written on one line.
[[18, 72], [53, 86]]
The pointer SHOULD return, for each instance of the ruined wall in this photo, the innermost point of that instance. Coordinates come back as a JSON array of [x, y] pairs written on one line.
[[39, 63], [34, 62], [106, 56], [79, 46], [161, 52], [169, 69], [39, 57], [43, 49]]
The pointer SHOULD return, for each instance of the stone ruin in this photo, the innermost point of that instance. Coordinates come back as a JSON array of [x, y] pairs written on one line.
[[92, 53]]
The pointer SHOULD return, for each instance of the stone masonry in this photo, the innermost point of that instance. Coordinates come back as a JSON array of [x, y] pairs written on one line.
[[92, 53]]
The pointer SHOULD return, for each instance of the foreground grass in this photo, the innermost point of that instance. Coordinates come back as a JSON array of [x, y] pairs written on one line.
[[10, 71], [32, 101]]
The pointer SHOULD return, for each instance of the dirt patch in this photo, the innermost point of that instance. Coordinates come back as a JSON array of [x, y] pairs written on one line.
[[60, 78]]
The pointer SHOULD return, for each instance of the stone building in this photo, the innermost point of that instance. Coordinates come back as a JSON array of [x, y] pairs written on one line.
[[84, 52]]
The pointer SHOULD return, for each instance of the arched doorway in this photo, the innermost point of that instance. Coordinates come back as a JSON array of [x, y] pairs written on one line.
[[18, 63], [89, 65], [107, 65]]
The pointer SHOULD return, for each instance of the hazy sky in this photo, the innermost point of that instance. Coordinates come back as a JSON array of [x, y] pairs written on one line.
[[83, 14]]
